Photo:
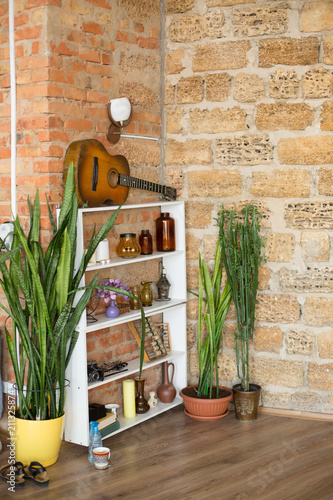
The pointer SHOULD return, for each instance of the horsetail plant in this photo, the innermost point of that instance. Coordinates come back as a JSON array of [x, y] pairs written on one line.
[[40, 290], [214, 302], [242, 253]]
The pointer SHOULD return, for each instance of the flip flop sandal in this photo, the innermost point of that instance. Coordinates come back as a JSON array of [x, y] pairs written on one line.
[[37, 473], [6, 473]]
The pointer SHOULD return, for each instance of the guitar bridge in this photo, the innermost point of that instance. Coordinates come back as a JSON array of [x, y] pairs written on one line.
[[94, 174]]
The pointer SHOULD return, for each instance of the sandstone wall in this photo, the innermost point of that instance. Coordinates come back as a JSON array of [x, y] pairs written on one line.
[[249, 117]]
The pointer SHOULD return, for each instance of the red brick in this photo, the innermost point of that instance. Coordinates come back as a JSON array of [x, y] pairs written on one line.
[[97, 97], [21, 19], [62, 76], [100, 43], [39, 75], [52, 135], [42, 151], [78, 66], [92, 28], [98, 69], [75, 93], [105, 4], [155, 33], [40, 3], [78, 125], [91, 55], [146, 116], [4, 152], [77, 37], [148, 43], [54, 166], [31, 32], [35, 47], [107, 58], [5, 182], [140, 28], [43, 90], [125, 36], [64, 49]]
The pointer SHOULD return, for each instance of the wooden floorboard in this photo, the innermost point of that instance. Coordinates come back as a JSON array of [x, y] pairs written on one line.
[[173, 457]]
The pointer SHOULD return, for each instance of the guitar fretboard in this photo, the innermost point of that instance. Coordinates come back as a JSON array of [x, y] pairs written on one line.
[[128, 181]]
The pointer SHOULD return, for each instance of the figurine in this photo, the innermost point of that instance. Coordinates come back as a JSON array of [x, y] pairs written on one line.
[[152, 401]]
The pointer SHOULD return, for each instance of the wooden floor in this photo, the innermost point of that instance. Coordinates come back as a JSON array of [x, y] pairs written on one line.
[[173, 457]]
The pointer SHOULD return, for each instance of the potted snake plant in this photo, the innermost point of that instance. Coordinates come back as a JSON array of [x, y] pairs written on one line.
[[40, 287], [207, 400], [242, 253]]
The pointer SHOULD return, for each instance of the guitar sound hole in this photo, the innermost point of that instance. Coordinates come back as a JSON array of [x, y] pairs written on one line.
[[113, 178]]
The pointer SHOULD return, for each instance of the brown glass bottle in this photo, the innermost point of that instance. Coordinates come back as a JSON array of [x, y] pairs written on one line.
[[165, 233], [146, 242]]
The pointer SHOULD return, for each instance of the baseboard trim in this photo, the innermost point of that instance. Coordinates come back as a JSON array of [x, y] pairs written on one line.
[[326, 417], [281, 412]]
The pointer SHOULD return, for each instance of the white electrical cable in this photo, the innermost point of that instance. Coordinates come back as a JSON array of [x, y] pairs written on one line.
[[12, 105], [140, 137]]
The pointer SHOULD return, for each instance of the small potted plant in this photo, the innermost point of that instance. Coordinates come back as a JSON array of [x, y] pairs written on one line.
[[208, 401], [242, 254], [109, 295]]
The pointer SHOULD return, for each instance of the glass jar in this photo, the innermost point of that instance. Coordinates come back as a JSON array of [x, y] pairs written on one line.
[[128, 247], [146, 242], [165, 233], [147, 296], [136, 290]]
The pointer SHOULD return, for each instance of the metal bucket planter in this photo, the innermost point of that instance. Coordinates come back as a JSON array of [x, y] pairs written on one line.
[[246, 402]]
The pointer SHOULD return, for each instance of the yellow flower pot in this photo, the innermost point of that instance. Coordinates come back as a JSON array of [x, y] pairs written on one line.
[[38, 440]]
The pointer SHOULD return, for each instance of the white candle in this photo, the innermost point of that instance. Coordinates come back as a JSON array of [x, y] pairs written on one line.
[[129, 398], [102, 251]]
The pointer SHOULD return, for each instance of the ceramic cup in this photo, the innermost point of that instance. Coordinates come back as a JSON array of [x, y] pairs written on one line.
[[102, 457], [112, 408]]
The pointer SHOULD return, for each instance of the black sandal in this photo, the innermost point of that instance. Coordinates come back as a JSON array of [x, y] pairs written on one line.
[[37, 473], [6, 473]]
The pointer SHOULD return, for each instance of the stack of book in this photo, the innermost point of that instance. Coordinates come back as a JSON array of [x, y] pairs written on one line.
[[108, 424]]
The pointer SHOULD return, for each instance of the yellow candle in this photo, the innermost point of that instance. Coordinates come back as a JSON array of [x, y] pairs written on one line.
[[129, 398]]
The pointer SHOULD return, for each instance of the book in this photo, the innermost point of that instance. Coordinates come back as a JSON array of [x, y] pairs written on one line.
[[109, 429], [105, 421]]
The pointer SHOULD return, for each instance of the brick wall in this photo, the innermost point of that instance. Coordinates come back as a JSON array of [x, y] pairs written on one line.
[[72, 57], [249, 117]]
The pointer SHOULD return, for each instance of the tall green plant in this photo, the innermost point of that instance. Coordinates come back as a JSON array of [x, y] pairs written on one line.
[[40, 290], [242, 255], [214, 302]]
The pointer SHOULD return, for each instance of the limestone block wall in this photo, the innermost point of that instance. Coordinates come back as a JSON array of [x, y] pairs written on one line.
[[249, 117]]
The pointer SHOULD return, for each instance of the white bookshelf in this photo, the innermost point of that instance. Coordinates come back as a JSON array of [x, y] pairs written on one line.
[[173, 312]]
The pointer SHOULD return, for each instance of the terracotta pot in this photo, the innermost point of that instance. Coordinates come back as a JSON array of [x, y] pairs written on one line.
[[206, 409], [246, 402]]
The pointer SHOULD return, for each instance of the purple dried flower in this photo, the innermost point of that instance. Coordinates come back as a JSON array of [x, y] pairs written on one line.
[[108, 295]]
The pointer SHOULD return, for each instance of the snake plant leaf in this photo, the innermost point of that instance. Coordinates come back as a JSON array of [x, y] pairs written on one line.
[[63, 272]]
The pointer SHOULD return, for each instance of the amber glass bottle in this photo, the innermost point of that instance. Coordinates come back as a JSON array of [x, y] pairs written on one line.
[[165, 233], [146, 242]]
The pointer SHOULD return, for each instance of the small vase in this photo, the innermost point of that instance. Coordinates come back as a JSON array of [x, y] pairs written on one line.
[[166, 391], [141, 404], [112, 311]]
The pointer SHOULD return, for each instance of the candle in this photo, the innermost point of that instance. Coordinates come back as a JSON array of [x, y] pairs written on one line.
[[129, 398], [102, 251]]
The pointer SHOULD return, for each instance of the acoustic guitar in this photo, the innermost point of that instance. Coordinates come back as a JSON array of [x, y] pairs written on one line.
[[102, 179]]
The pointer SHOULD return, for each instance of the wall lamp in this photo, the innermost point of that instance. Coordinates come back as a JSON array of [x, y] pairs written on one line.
[[120, 114]]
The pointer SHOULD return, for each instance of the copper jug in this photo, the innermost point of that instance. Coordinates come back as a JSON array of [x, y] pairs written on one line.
[[167, 392]]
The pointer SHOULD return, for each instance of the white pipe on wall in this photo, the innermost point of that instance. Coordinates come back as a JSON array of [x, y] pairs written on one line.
[[12, 105]]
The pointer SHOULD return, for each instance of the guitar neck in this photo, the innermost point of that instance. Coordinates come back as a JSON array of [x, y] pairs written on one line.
[[128, 181]]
